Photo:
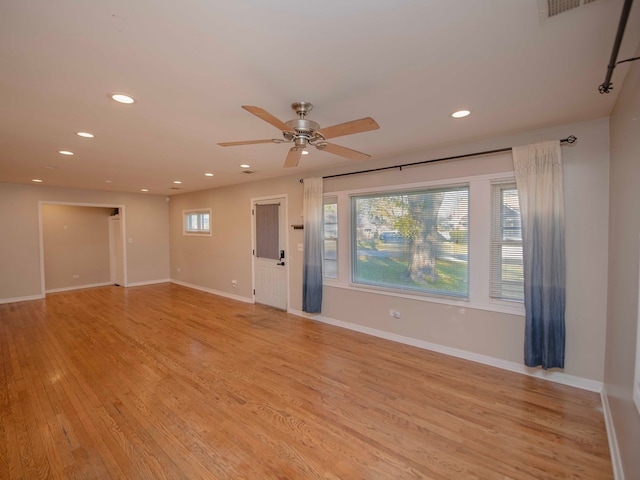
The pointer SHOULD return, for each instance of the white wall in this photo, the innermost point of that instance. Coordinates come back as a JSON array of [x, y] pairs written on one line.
[[212, 263], [624, 266], [146, 223]]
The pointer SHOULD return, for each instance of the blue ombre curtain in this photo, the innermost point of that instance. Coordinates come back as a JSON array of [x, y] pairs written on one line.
[[312, 267], [538, 170]]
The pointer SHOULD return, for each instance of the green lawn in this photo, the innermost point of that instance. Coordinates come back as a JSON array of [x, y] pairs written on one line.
[[391, 271]]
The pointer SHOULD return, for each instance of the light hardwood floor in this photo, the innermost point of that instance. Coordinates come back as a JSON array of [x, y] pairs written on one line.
[[167, 382]]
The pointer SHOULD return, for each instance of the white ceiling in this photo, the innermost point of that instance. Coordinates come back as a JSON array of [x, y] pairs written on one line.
[[192, 64]]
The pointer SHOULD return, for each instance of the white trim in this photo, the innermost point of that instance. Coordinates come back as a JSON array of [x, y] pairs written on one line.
[[79, 287], [558, 377], [614, 450], [213, 292], [21, 299]]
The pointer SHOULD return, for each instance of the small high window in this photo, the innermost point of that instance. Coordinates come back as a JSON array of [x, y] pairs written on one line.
[[197, 222]]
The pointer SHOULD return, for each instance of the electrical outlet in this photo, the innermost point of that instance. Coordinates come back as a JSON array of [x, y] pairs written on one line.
[[394, 313]]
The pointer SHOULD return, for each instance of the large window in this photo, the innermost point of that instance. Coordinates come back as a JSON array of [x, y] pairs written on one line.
[[330, 238], [412, 241], [197, 222], [507, 280]]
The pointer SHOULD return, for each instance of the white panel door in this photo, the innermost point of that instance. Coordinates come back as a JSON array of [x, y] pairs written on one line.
[[269, 255]]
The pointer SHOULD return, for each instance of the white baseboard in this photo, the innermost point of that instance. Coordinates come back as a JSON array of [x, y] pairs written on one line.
[[558, 377], [78, 287], [148, 282], [21, 299], [616, 460], [214, 292]]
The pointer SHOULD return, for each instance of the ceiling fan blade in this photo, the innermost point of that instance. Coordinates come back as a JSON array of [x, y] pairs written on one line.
[[267, 117], [348, 128], [293, 157], [246, 142], [345, 152]]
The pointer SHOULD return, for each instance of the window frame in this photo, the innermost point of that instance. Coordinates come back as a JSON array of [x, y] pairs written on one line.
[[330, 200], [498, 242], [479, 243], [381, 285], [199, 232]]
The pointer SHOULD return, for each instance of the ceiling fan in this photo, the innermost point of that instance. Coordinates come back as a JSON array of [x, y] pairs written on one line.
[[302, 133]]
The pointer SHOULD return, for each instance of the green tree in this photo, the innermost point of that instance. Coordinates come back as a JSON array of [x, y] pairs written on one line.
[[420, 226]]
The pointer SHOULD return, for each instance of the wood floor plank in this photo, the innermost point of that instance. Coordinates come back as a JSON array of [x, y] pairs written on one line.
[[165, 381]]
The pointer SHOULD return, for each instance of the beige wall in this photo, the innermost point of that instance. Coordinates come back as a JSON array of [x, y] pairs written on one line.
[[624, 262], [146, 226], [76, 246], [213, 262]]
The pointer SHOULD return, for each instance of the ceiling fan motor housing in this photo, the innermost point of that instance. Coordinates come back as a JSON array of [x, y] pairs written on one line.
[[305, 131]]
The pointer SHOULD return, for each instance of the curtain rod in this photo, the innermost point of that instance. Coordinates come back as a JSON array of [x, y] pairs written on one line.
[[570, 139], [607, 86]]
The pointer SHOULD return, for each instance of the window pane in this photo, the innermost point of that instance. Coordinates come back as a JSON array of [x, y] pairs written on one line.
[[415, 241], [330, 222], [507, 278], [197, 222]]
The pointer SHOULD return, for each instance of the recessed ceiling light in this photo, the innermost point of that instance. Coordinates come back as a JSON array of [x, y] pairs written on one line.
[[177, 182], [85, 134], [144, 190], [244, 165], [208, 174], [65, 152], [122, 98], [460, 113], [36, 180], [305, 152]]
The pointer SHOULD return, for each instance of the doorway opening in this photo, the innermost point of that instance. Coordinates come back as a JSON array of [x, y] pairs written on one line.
[[81, 245]]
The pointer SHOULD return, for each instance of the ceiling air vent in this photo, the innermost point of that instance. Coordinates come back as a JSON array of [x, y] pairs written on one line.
[[551, 8]]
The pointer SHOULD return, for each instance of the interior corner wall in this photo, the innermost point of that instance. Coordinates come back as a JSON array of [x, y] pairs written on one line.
[[624, 267], [146, 225], [213, 262], [75, 245]]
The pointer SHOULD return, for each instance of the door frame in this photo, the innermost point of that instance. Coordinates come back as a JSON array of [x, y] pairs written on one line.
[[113, 251], [284, 221], [79, 204]]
